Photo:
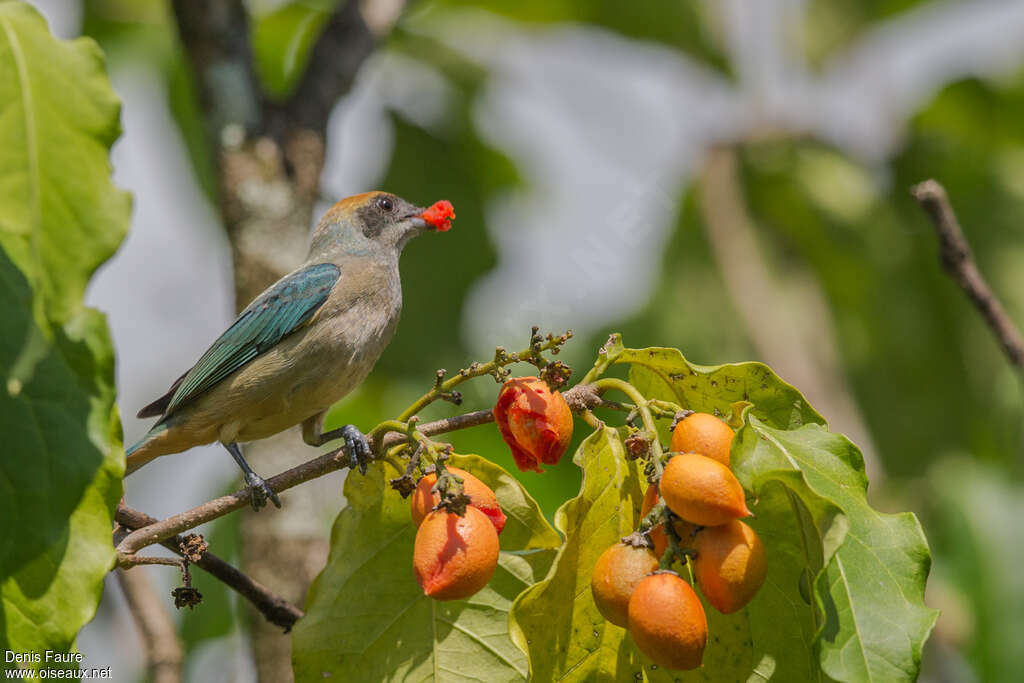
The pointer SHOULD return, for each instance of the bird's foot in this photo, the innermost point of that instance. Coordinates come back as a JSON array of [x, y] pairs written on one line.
[[260, 491], [358, 448]]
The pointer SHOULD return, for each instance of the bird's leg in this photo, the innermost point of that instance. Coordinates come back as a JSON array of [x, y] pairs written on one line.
[[356, 445], [259, 489]]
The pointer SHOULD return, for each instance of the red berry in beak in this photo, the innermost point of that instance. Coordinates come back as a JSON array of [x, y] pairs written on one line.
[[440, 215]]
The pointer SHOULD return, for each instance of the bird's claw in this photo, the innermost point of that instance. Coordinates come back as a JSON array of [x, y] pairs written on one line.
[[260, 491], [359, 452]]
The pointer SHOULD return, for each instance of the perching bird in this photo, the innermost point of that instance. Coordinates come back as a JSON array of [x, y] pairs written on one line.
[[301, 345]]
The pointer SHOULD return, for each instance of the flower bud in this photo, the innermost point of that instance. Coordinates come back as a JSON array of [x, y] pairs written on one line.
[[535, 422]]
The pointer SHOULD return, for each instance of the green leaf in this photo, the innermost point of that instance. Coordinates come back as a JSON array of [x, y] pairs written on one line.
[[60, 216], [366, 617], [283, 39], [60, 477], [556, 622], [666, 374], [869, 568]]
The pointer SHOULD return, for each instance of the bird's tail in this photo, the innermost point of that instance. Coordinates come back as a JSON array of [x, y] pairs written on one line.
[[145, 449]]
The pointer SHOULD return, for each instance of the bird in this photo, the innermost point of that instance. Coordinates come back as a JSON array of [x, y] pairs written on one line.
[[301, 345]]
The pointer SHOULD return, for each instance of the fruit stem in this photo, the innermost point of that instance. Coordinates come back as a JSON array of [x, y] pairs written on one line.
[[674, 550], [494, 367], [643, 407]]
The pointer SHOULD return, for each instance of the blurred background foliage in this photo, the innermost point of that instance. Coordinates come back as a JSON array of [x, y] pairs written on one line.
[[941, 407]]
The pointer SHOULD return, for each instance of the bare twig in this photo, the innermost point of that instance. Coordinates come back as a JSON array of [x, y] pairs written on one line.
[[276, 609], [164, 653], [958, 262]]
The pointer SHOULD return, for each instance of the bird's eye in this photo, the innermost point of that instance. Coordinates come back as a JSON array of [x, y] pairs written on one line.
[[385, 204]]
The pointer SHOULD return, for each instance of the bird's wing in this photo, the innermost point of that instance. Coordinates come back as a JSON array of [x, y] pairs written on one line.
[[271, 317]]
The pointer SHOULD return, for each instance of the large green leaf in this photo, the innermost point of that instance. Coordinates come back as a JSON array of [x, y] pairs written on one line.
[[60, 477], [366, 617], [60, 217], [868, 568]]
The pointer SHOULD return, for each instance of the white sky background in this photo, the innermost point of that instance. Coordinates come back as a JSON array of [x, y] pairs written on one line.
[[605, 131]]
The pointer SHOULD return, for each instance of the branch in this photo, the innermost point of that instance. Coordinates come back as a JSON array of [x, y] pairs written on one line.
[[276, 609], [958, 262], [148, 530], [164, 653], [159, 531]]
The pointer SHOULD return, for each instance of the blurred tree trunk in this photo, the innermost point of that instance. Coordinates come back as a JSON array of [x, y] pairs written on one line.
[[269, 158]]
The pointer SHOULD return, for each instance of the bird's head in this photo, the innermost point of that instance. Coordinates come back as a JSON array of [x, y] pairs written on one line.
[[376, 223]]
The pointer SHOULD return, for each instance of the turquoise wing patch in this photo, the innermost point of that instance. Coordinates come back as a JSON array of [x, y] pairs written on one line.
[[275, 314]]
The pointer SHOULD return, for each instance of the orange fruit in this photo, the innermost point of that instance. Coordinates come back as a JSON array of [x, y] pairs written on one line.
[[702, 490], [617, 572], [453, 557], [705, 434], [657, 533], [481, 496], [730, 565], [667, 621]]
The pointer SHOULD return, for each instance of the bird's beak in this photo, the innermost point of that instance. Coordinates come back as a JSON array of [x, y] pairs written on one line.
[[418, 222]]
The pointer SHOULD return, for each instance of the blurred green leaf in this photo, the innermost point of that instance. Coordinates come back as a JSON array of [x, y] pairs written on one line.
[[831, 26], [688, 25], [970, 508], [283, 39], [60, 217], [366, 617]]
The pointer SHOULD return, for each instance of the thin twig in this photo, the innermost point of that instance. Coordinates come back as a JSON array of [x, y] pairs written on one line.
[[276, 609], [164, 653], [958, 262]]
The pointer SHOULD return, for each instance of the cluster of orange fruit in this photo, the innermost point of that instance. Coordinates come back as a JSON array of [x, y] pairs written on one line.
[[660, 608], [454, 555]]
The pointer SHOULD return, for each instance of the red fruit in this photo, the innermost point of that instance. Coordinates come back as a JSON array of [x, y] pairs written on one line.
[[667, 621], [481, 497], [702, 490], [535, 422], [440, 215], [617, 572], [454, 557], [705, 434]]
